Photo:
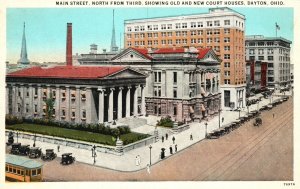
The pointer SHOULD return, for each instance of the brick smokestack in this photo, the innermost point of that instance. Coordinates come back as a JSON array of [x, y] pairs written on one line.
[[69, 45]]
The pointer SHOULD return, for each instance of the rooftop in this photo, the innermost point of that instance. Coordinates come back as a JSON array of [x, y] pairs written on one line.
[[263, 38], [67, 72], [22, 161]]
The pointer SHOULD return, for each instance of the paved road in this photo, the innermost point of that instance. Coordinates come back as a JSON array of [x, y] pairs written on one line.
[[248, 153]]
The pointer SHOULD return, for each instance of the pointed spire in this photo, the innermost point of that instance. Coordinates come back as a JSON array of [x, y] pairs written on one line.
[[23, 57], [113, 45]]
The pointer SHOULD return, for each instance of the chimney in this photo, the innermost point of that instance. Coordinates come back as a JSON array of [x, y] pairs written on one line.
[[69, 45]]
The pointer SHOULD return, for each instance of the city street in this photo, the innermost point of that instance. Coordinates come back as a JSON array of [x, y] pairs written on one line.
[[248, 153]]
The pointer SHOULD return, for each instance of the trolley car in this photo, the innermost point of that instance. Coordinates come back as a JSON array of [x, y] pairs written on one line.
[[21, 169]]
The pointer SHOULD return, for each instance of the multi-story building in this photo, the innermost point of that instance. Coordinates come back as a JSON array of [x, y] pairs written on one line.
[[221, 29], [275, 51], [256, 76]]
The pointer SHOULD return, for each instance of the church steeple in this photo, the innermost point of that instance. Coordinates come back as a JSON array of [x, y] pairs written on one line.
[[113, 45], [23, 58]]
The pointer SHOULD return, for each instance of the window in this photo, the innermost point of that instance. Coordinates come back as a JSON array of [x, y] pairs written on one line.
[[175, 93], [149, 35], [193, 33], [142, 43], [226, 22], [163, 42], [73, 114], [27, 108], [209, 40], [227, 48], [251, 51], [209, 23], [216, 31], [33, 172], [200, 24], [149, 42], [226, 81], [169, 41], [193, 24], [39, 171], [149, 27], [163, 26], [53, 94], [270, 58], [169, 34], [217, 23], [270, 51], [142, 28], [209, 32], [174, 109], [200, 32], [27, 92], [155, 27], [129, 29], [178, 25], [227, 98], [155, 35], [226, 39], [251, 57], [227, 65], [169, 26], [155, 42], [142, 35], [129, 43], [226, 56], [217, 40], [193, 41], [83, 96], [174, 77], [73, 95], [217, 48], [35, 108], [226, 31], [178, 33], [260, 51], [227, 73], [178, 41], [184, 33], [136, 28], [63, 95], [261, 57], [184, 41], [261, 43], [136, 35], [157, 77], [184, 25], [35, 92]]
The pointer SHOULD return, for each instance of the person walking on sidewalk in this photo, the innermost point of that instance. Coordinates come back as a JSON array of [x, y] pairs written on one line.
[[273, 115], [167, 136], [162, 138], [175, 148], [222, 119], [191, 136], [171, 150], [173, 140], [58, 148], [136, 161]]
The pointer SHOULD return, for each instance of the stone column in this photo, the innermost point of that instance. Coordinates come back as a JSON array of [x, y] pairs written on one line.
[[204, 82], [143, 105], [135, 101], [101, 105], [163, 83], [111, 105], [30, 97], [128, 102], [57, 102], [120, 103], [6, 99], [78, 100]]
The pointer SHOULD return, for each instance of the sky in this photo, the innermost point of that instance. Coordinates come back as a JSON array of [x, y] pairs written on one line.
[[46, 27]]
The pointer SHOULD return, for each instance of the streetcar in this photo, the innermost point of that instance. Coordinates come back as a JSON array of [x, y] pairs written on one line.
[[22, 169]]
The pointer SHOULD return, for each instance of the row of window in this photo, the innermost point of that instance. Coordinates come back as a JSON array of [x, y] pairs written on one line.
[[261, 51], [18, 171], [180, 41], [181, 25], [270, 58], [177, 33]]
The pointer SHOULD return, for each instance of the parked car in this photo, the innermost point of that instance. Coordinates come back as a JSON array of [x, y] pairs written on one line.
[[50, 155], [257, 122], [35, 152], [15, 148], [67, 159]]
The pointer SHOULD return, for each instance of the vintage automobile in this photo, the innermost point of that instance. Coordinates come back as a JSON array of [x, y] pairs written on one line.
[[257, 122], [35, 152], [50, 155], [15, 148], [67, 159]]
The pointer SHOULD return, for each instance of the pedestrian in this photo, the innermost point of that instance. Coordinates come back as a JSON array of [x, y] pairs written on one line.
[[173, 140], [58, 148], [273, 115], [171, 150], [136, 161], [222, 119], [148, 168], [162, 139], [167, 136], [191, 137], [95, 155], [175, 148]]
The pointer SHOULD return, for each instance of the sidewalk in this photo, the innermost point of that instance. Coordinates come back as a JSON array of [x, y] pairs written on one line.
[[127, 161]]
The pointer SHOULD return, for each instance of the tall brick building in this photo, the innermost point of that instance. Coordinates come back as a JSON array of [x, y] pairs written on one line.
[[221, 29]]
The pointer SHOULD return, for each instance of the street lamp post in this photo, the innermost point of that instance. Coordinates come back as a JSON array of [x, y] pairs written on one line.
[[150, 147], [34, 139], [205, 129], [17, 136]]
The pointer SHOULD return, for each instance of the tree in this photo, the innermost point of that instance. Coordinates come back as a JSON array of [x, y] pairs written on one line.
[[49, 107]]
